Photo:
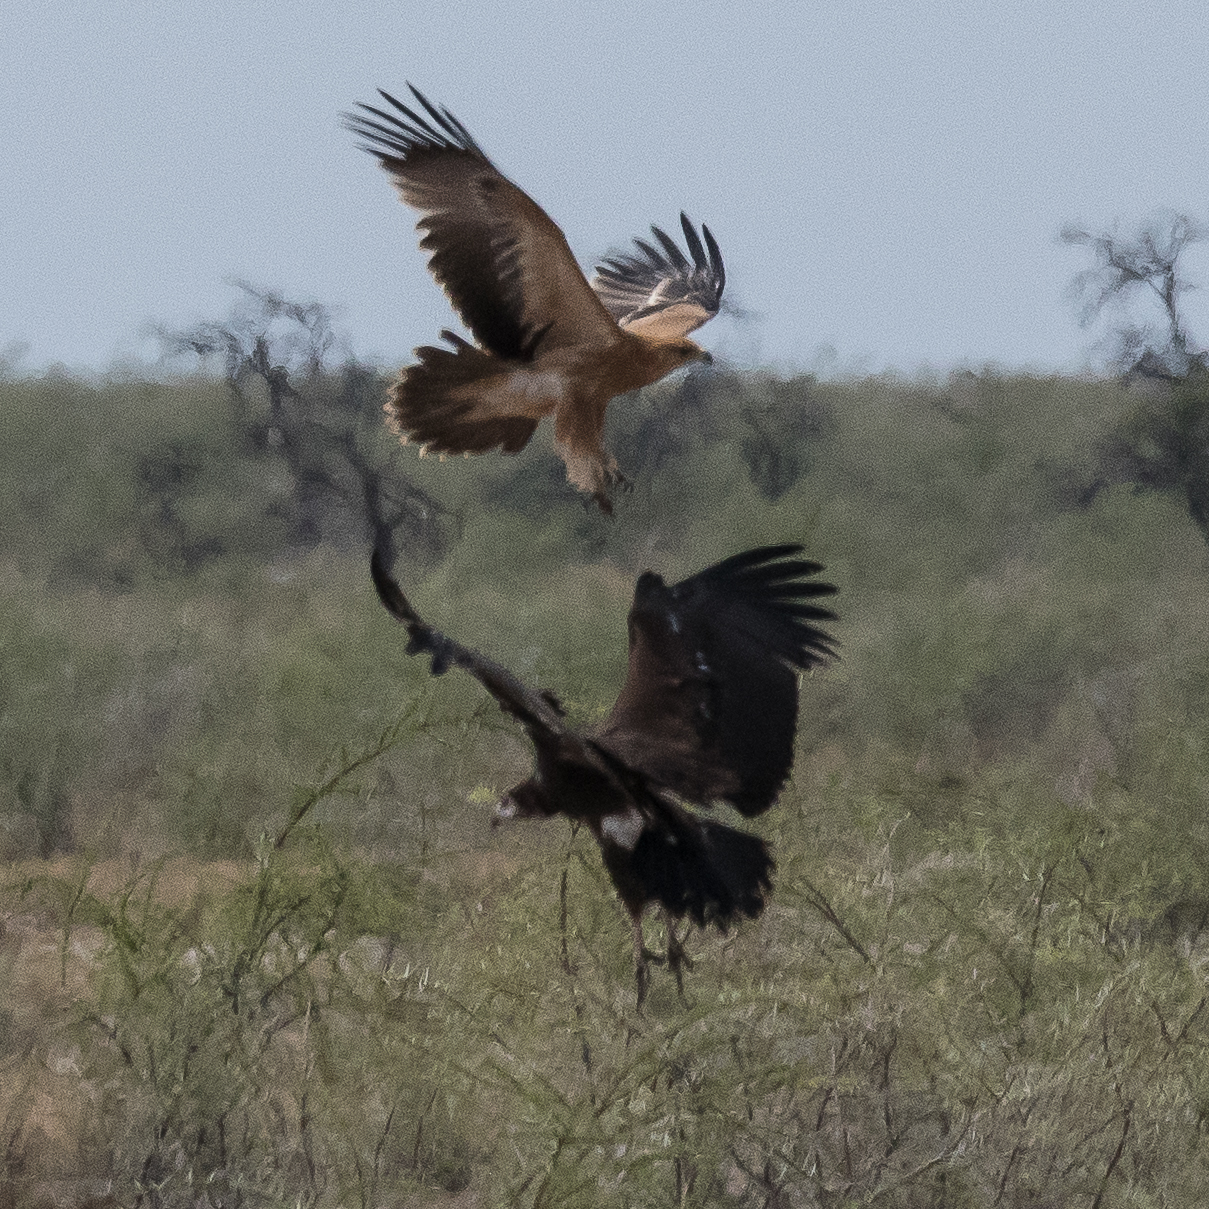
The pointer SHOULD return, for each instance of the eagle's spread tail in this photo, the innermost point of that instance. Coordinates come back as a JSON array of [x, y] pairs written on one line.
[[704, 869], [448, 402]]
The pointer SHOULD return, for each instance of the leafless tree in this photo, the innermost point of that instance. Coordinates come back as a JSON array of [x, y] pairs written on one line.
[[1147, 260], [324, 422], [1163, 444], [266, 336]]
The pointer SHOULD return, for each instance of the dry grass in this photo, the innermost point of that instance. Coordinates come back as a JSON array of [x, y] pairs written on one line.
[[981, 977]]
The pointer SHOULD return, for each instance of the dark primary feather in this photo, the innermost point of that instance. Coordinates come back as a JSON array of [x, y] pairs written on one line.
[[633, 286], [767, 596], [709, 706], [392, 138]]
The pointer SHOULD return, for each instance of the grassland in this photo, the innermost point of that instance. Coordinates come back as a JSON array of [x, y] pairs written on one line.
[[260, 946]]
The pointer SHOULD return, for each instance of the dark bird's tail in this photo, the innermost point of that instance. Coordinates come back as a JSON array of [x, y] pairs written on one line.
[[697, 867]]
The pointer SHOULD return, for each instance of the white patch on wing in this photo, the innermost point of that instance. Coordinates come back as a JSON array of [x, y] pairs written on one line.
[[623, 829], [530, 385]]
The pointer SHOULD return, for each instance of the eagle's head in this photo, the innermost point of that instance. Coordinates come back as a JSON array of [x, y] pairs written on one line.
[[527, 800], [664, 356], [691, 351]]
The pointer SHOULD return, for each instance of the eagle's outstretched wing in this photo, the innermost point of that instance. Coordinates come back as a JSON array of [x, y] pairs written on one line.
[[710, 703], [502, 261], [538, 712], [659, 292]]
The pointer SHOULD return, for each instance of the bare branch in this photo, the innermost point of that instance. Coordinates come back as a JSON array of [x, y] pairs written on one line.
[[1149, 259]]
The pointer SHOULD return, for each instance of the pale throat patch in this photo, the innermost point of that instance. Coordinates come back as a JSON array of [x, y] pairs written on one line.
[[623, 829]]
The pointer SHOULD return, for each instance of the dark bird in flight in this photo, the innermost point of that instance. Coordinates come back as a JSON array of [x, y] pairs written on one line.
[[547, 342], [708, 713]]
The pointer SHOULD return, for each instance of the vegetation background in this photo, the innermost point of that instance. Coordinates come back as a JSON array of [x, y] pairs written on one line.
[[261, 947]]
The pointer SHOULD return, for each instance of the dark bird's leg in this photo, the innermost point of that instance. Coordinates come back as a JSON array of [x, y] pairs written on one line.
[[676, 959], [642, 959], [617, 478]]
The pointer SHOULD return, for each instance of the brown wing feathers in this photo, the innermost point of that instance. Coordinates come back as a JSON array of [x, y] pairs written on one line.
[[417, 134], [538, 712], [636, 287], [441, 171], [709, 706], [758, 630]]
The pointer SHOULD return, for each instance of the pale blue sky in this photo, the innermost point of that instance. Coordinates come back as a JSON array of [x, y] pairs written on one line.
[[886, 179]]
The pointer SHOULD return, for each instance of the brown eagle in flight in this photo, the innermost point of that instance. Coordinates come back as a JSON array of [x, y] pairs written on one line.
[[708, 713], [548, 343]]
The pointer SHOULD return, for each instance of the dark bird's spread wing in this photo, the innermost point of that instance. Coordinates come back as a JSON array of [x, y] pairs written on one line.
[[709, 706], [538, 712], [658, 291], [502, 261]]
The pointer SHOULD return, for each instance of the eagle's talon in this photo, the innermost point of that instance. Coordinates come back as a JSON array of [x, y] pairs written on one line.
[[677, 958]]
